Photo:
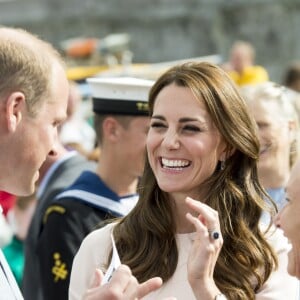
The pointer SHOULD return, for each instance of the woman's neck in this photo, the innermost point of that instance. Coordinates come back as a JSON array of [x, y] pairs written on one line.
[[180, 209]]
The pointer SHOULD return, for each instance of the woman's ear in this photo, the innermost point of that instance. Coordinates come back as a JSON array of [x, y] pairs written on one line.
[[15, 104], [228, 152]]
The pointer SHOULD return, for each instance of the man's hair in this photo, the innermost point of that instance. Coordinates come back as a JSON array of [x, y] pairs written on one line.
[[124, 121], [26, 65]]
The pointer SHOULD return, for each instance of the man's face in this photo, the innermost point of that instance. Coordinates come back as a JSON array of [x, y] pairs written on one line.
[[133, 145], [35, 137]]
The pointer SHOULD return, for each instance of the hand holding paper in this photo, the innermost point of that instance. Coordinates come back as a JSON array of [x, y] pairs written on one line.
[[118, 282]]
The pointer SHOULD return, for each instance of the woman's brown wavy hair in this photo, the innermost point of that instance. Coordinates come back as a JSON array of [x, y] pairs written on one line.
[[145, 238]]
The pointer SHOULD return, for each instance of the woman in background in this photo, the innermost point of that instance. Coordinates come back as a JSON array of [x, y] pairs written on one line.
[[277, 122]]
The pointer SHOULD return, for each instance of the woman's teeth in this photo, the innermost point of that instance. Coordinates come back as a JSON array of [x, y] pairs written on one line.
[[174, 163]]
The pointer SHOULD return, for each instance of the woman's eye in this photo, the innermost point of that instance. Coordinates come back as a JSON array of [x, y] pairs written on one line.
[[191, 128], [262, 126]]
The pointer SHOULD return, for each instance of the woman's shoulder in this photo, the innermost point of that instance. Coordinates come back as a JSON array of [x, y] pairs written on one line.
[[101, 234], [92, 254], [95, 247]]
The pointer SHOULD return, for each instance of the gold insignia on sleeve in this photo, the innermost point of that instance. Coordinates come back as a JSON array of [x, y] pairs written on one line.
[[53, 208], [59, 269]]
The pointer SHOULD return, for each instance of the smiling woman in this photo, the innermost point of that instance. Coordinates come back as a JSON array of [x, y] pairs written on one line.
[[197, 222], [189, 140]]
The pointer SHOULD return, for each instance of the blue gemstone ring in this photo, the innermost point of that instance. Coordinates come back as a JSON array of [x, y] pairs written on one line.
[[214, 234]]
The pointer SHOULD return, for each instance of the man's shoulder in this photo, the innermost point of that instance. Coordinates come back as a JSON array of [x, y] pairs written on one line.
[[79, 162]]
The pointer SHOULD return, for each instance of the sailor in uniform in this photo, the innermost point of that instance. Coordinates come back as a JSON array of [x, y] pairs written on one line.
[[121, 123]]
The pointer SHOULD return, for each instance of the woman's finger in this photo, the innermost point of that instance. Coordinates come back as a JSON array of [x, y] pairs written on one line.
[[149, 286], [208, 216], [98, 276]]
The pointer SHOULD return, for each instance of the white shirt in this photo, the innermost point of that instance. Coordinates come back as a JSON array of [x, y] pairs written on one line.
[[9, 289], [95, 248]]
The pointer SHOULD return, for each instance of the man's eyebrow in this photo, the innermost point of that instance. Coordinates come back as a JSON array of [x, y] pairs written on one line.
[[158, 117]]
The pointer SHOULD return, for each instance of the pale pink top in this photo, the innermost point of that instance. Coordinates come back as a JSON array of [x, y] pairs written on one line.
[[96, 246]]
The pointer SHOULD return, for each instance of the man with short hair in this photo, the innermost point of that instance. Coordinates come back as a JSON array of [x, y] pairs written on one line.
[[33, 101]]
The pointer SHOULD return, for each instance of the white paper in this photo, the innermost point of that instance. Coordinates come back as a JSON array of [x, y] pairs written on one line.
[[114, 264]]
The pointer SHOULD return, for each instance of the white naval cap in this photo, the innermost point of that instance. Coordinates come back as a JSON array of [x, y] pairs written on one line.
[[120, 95]]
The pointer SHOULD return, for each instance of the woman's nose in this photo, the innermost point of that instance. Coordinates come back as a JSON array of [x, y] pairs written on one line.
[[171, 140]]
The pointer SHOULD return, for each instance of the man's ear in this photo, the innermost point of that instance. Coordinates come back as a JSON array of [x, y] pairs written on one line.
[[15, 104], [111, 129]]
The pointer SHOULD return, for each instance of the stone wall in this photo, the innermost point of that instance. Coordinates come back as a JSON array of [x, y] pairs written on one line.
[[164, 30]]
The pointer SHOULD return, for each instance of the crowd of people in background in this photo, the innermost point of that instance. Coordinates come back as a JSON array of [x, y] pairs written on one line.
[[194, 177]]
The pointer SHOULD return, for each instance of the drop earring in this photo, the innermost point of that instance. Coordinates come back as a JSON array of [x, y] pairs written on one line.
[[222, 165]]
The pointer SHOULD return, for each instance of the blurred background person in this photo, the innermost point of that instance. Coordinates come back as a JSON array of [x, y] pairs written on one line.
[[121, 123], [291, 80], [241, 65], [291, 77], [76, 133], [278, 130], [56, 173]]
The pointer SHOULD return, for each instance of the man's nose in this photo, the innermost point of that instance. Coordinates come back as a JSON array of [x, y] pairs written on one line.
[[54, 149]]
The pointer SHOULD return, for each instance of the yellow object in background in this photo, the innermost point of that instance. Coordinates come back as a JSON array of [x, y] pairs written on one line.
[[82, 72], [250, 75]]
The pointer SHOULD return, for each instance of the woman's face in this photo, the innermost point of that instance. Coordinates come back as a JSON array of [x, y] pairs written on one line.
[[288, 219], [274, 136], [183, 144]]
